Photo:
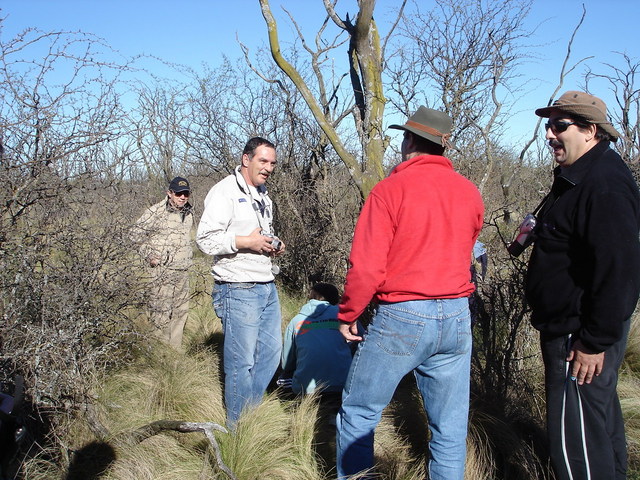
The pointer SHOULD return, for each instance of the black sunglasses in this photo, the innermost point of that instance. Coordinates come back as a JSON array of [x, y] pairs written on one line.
[[558, 126], [182, 194]]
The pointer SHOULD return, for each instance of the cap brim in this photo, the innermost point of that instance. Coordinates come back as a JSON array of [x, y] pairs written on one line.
[[544, 112]]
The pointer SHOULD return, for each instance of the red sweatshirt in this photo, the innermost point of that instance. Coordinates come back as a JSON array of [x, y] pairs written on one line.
[[414, 237]]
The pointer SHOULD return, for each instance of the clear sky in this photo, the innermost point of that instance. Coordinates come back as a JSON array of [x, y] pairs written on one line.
[[194, 32]]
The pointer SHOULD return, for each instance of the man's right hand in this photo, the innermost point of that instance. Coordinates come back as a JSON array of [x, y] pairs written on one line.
[[350, 331], [256, 242], [584, 364]]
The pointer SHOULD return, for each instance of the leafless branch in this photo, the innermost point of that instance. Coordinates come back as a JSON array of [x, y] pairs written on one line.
[[393, 28], [207, 428], [564, 71], [330, 7]]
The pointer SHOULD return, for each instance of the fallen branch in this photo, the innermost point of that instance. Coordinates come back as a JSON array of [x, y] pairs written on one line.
[[159, 426]]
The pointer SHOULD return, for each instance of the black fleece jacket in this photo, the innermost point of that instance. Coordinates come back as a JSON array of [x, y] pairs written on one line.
[[584, 272]]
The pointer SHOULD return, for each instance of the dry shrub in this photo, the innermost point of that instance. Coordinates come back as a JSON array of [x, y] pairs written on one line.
[[628, 388], [69, 307], [317, 206], [480, 464], [42, 467], [162, 384]]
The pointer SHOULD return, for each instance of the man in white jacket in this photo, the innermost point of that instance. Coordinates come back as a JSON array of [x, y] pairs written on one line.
[[237, 229]]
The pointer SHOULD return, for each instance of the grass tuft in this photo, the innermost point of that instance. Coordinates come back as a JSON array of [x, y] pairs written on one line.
[[163, 385], [159, 457], [271, 443], [628, 388], [632, 353]]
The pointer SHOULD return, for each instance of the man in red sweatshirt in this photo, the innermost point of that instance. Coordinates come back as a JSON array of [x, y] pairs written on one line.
[[411, 254]]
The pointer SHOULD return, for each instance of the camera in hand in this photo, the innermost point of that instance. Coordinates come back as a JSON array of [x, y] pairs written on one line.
[[524, 237], [275, 242]]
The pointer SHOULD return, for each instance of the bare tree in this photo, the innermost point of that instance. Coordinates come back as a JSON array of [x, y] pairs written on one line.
[[210, 132], [462, 57], [50, 124], [622, 82], [66, 305], [366, 61], [160, 113]]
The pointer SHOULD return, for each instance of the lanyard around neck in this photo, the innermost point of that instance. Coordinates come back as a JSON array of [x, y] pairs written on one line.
[[259, 205]]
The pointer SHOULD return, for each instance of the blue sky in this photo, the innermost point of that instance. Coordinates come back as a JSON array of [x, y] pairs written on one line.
[[193, 32]]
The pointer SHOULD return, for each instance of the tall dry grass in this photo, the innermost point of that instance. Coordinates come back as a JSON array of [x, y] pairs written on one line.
[[632, 354], [281, 438], [629, 392]]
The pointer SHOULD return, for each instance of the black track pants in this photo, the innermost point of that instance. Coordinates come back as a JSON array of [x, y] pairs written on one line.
[[585, 427]]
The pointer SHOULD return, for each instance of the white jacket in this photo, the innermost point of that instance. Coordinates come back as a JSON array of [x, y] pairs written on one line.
[[230, 209]]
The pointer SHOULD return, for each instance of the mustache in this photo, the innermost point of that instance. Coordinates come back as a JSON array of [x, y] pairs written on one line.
[[554, 143]]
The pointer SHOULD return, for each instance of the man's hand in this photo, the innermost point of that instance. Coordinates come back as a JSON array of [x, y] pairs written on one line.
[[153, 260], [279, 251], [585, 364], [350, 331], [256, 242]]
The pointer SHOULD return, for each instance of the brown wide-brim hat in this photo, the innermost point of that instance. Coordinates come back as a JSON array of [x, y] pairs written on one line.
[[583, 106], [431, 124]]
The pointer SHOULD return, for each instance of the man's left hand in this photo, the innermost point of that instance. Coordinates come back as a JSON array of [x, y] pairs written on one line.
[[280, 251], [585, 363]]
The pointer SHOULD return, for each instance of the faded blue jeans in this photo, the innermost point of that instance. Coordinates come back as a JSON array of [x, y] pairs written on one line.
[[251, 322], [432, 338]]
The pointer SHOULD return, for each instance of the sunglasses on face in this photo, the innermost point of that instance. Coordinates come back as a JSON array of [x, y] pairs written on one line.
[[182, 194], [558, 126]]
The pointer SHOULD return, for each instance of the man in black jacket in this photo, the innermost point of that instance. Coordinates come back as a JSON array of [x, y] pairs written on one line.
[[583, 283]]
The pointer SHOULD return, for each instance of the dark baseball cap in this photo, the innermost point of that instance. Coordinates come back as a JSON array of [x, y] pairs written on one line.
[[179, 184]]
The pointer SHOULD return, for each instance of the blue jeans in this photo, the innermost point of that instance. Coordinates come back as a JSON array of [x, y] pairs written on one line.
[[432, 338], [251, 322]]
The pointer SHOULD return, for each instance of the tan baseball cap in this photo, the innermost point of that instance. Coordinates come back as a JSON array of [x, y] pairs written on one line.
[[584, 106]]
